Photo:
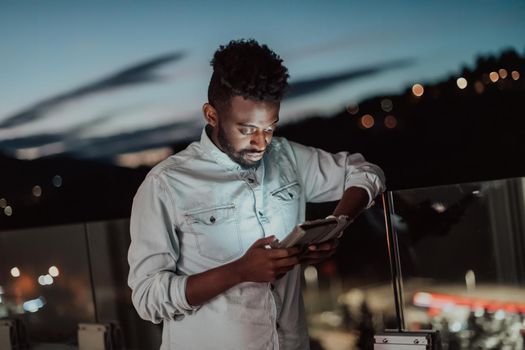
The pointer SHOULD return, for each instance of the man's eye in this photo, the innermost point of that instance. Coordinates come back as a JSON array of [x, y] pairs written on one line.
[[247, 131], [270, 129]]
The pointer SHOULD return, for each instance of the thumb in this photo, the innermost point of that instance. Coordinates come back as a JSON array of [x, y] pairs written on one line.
[[262, 242]]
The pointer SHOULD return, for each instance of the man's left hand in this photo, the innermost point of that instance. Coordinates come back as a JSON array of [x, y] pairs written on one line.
[[317, 253]]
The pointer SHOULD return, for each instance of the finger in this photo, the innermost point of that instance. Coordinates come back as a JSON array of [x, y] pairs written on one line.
[[263, 242], [287, 262], [280, 253], [294, 250], [330, 245]]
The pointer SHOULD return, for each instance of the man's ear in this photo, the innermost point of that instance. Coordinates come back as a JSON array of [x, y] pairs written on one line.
[[210, 114]]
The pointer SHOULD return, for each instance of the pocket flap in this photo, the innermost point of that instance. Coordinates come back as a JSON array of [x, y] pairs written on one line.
[[287, 192], [211, 216]]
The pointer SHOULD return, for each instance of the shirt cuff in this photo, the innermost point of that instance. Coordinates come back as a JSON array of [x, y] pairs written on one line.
[[372, 184], [179, 294]]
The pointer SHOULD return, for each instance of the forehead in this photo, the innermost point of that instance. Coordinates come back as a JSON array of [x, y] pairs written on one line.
[[246, 111]]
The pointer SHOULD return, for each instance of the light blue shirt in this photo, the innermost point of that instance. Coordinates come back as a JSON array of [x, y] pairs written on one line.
[[198, 209]]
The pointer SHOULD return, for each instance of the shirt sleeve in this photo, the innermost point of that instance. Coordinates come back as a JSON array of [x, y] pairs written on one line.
[[326, 176], [157, 291]]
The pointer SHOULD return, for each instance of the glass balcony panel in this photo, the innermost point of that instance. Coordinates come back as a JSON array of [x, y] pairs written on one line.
[[462, 251], [44, 281]]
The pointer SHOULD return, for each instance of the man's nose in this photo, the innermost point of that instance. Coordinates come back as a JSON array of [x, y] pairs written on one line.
[[259, 141]]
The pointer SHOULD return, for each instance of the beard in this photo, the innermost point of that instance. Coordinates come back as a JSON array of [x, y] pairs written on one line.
[[238, 157]]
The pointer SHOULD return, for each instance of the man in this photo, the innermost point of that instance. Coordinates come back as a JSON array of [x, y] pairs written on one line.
[[203, 219]]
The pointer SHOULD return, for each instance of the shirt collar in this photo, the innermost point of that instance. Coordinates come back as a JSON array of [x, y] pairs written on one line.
[[219, 156]]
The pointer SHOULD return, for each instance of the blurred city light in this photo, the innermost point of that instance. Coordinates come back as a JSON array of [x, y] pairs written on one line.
[[502, 73], [515, 74], [462, 83], [479, 87], [53, 271], [310, 275], [8, 211], [367, 121], [41, 280], [445, 302], [57, 180], [3, 203], [45, 280], [331, 318], [499, 315], [439, 207], [352, 108], [494, 77], [422, 299], [1, 290], [27, 153], [387, 105], [148, 157], [33, 305], [418, 90], [456, 326], [48, 279], [15, 272], [479, 312], [470, 280], [390, 121], [37, 191]]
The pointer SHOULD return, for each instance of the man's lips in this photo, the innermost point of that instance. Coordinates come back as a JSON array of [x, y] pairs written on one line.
[[254, 155]]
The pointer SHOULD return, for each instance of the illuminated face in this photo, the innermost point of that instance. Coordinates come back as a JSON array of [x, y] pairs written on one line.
[[245, 130]]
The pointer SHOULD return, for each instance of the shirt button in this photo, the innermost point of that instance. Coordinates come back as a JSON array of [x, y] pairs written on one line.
[[272, 287], [250, 180], [277, 326], [261, 213]]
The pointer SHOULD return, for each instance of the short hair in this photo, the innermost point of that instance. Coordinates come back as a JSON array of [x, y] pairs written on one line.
[[246, 68]]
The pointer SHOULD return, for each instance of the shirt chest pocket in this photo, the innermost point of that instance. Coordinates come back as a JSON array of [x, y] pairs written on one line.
[[286, 203], [215, 231]]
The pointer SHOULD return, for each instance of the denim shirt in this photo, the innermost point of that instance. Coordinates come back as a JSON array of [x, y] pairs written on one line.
[[198, 209]]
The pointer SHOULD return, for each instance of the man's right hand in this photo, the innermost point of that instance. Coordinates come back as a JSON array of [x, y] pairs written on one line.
[[258, 264], [263, 264]]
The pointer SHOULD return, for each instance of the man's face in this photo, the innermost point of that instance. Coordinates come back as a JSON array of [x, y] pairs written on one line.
[[245, 129]]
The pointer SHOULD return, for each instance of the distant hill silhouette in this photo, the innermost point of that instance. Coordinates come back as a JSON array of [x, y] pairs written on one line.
[[448, 135]]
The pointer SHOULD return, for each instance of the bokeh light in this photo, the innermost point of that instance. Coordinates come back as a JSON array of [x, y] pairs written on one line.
[[41, 280], [367, 121], [37, 191], [494, 77], [8, 211], [418, 90], [310, 275], [48, 279], [53, 271], [462, 83], [45, 280], [352, 108], [387, 105], [502, 73], [390, 121], [57, 180], [515, 75], [3, 203], [15, 272], [479, 87]]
